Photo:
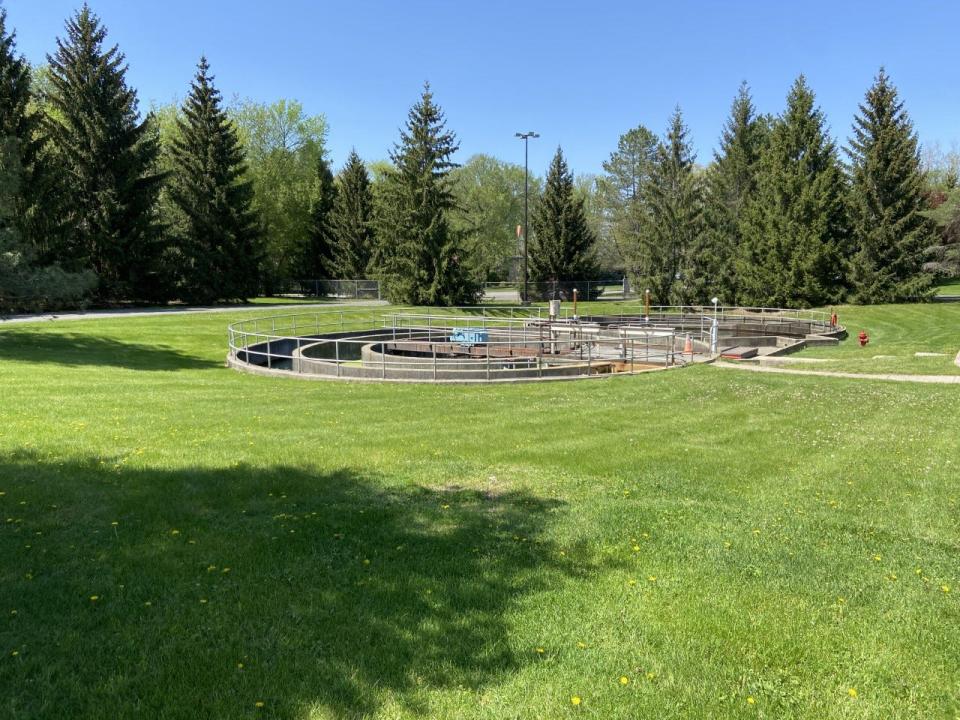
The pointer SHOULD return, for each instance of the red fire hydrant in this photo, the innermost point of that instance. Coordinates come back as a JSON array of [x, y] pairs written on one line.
[[864, 338]]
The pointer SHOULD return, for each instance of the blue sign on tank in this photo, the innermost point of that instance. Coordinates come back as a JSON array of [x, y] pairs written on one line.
[[470, 336]]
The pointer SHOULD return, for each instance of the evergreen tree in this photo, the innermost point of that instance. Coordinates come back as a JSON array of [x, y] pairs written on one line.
[[674, 207], [622, 189], [218, 232], [24, 282], [107, 157], [351, 219], [730, 183], [795, 234], [418, 256], [562, 244], [890, 232], [322, 245]]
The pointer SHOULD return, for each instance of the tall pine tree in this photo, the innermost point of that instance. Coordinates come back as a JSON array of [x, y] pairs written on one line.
[[622, 188], [351, 219], [418, 256], [562, 244], [890, 231], [675, 212], [24, 197], [795, 230], [730, 183], [107, 156], [218, 234], [320, 261]]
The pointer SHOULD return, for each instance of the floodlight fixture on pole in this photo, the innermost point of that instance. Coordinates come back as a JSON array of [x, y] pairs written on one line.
[[526, 192]]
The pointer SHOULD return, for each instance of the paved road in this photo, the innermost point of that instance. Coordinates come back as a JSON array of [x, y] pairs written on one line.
[[893, 377]]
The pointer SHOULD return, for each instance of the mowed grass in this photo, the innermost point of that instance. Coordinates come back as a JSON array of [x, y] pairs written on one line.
[[897, 333], [180, 540]]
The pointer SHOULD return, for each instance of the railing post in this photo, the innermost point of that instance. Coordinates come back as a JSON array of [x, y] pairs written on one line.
[[336, 351], [589, 357]]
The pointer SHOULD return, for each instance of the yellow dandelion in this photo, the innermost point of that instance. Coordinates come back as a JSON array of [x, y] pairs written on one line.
[[575, 700], [624, 680], [147, 604], [366, 561], [239, 666], [581, 645], [114, 523], [94, 598], [15, 653], [540, 650], [259, 704], [751, 701], [877, 558], [945, 588], [174, 532], [852, 692], [652, 578], [651, 675], [636, 548], [203, 601], [631, 581], [211, 568]]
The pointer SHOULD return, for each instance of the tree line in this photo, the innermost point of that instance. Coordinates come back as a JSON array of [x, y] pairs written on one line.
[[205, 201]]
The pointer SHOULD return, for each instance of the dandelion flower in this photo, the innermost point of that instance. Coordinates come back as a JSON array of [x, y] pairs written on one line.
[[751, 701], [15, 653], [540, 650], [239, 666], [624, 680], [94, 598], [877, 558], [636, 548], [259, 704], [575, 700], [945, 588], [581, 645], [631, 581], [366, 561], [852, 692], [174, 532], [652, 578], [651, 675]]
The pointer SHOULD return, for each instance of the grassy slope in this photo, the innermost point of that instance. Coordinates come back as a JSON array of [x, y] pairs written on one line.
[[710, 536], [896, 332]]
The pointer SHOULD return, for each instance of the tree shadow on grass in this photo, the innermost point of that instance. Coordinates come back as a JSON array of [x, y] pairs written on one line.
[[319, 595], [82, 349]]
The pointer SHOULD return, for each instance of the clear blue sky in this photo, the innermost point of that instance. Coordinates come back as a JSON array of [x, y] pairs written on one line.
[[580, 73]]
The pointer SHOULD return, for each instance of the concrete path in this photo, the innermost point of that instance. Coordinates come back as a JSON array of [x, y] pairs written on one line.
[[893, 377], [151, 312]]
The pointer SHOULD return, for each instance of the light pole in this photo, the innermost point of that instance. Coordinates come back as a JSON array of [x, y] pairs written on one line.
[[715, 328], [526, 192]]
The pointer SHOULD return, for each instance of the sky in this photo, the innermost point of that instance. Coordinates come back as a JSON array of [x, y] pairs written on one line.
[[579, 73]]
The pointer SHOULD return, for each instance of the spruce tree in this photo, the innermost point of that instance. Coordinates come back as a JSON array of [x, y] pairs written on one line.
[[674, 208], [562, 244], [27, 281], [107, 157], [218, 234], [418, 255], [890, 231], [320, 261], [730, 183], [351, 219], [795, 230]]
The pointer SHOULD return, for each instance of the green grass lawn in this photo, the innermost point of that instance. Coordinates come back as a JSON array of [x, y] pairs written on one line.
[[181, 540], [951, 287], [897, 333]]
